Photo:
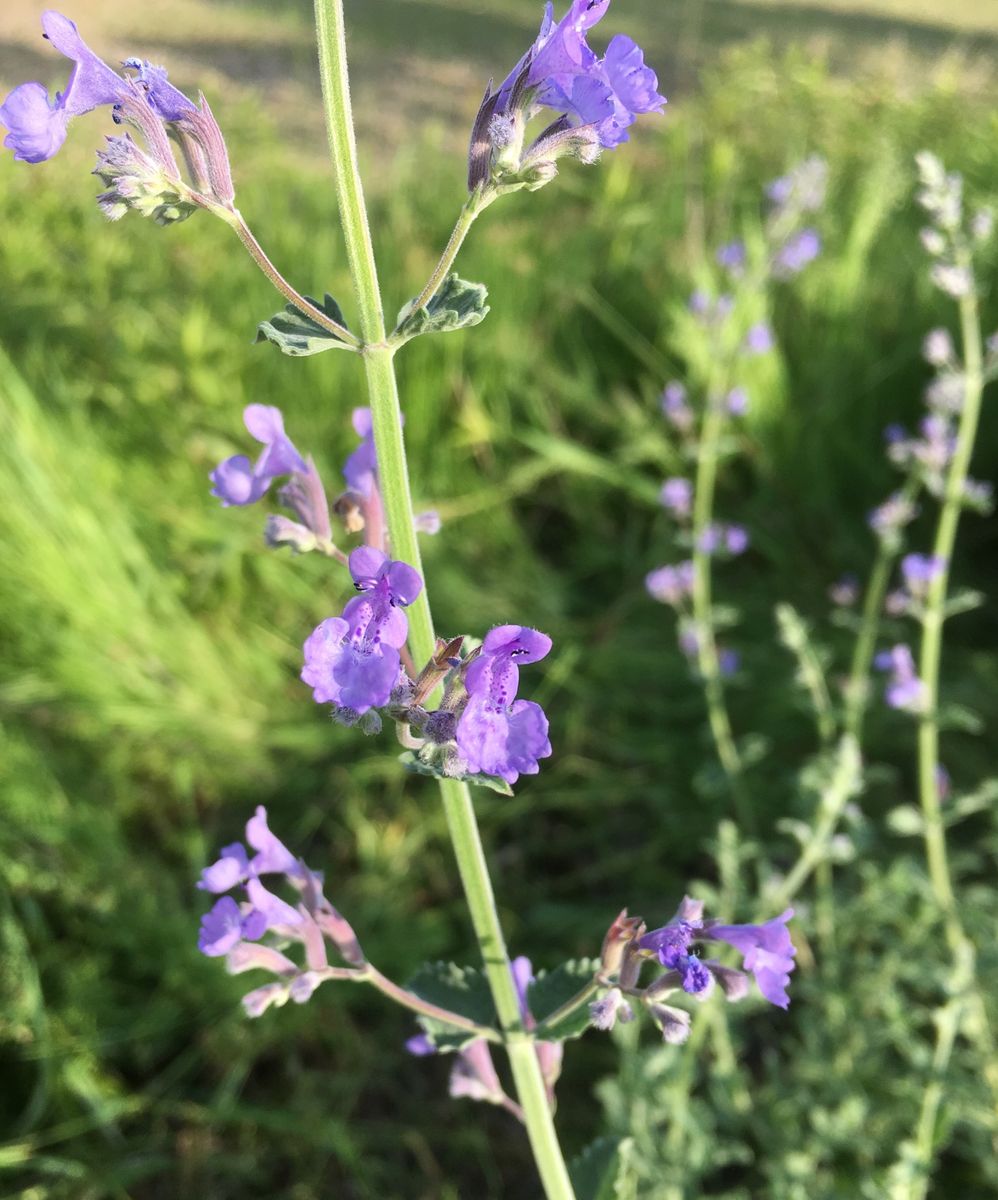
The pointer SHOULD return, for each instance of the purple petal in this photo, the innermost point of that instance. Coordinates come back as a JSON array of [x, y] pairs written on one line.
[[36, 128], [221, 928], [272, 857], [768, 953], [276, 911], [523, 977], [405, 583], [523, 644], [635, 85], [367, 565], [235, 483], [420, 1045], [230, 869], [91, 82], [365, 679], [165, 100], [264, 422], [322, 648]]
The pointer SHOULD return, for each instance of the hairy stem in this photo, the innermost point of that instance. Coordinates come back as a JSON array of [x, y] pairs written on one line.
[[476, 203], [394, 479], [259, 256]]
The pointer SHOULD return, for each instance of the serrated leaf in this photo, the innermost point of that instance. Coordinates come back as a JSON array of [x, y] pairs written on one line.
[[298, 334], [603, 1171], [461, 990], [551, 989], [457, 304], [412, 762]]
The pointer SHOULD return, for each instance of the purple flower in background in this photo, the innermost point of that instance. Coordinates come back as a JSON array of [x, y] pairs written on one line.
[[728, 660], [937, 349], [237, 480], [676, 495], [353, 660], [795, 254], [737, 401], [904, 691], [759, 339], [670, 584], [919, 570], [37, 125], [226, 923], [845, 591], [732, 257], [676, 408], [361, 468], [802, 189], [767, 951], [895, 512], [736, 539], [496, 733]]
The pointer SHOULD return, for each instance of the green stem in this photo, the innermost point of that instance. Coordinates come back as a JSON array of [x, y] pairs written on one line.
[[259, 256], [370, 974], [707, 656], [394, 478], [476, 203], [930, 656]]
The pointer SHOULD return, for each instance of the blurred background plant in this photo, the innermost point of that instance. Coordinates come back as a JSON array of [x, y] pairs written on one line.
[[150, 648]]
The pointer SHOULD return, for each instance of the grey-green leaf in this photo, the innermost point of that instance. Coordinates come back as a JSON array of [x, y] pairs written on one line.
[[552, 989], [298, 334], [461, 990], [457, 304], [603, 1171], [412, 762]]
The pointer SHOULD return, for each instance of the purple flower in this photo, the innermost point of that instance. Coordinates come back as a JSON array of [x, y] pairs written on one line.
[[676, 495], [845, 591], [37, 125], [498, 734], [237, 480], [767, 952], [904, 691], [737, 401], [937, 349], [728, 660], [759, 339], [353, 660], [795, 254], [361, 468], [919, 570], [736, 539], [226, 923], [675, 407], [731, 256], [895, 512], [670, 584]]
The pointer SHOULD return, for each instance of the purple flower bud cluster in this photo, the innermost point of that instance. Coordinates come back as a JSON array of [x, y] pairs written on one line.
[[941, 195], [595, 100], [473, 1075], [844, 593], [233, 927], [767, 953], [730, 540], [147, 180], [905, 690], [889, 518]]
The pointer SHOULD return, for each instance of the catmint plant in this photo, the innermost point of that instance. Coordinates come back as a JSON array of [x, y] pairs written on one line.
[[454, 700], [726, 326]]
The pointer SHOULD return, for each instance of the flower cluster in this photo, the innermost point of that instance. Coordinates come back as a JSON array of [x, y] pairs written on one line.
[[473, 1074], [767, 952], [904, 690], [595, 100], [147, 180], [233, 927]]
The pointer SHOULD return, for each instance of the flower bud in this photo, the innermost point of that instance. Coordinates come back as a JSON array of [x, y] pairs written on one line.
[[621, 933], [674, 1023]]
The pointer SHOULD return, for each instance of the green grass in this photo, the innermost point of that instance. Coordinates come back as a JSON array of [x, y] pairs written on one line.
[[150, 648]]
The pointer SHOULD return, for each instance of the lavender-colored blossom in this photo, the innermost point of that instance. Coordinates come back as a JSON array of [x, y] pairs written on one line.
[[802, 189], [731, 256], [895, 512], [226, 923], [845, 591], [498, 734], [953, 279], [36, 124], [767, 951], [353, 660], [937, 445], [946, 393], [674, 1023], [609, 1009], [676, 408], [759, 339], [676, 495], [427, 522], [919, 570], [728, 660], [937, 348], [237, 480], [897, 602], [905, 690], [361, 468], [670, 584], [737, 401], [736, 539], [795, 254]]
